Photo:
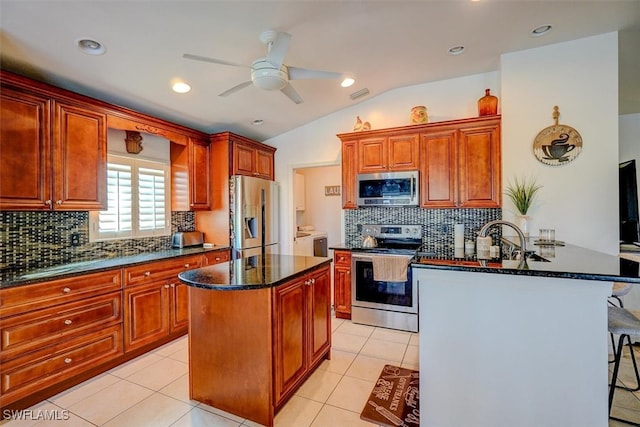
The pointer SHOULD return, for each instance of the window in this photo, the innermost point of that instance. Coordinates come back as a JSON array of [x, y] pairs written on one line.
[[138, 200]]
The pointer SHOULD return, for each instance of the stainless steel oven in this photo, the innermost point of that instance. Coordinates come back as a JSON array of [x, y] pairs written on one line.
[[380, 303]]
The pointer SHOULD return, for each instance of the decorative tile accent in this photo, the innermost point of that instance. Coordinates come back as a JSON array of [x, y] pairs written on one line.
[[41, 239], [437, 224]]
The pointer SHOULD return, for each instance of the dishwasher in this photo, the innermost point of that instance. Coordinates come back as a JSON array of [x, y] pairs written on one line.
[[320, 246]]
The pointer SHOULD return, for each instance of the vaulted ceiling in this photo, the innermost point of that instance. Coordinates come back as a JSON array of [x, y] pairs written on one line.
[[383, 44]]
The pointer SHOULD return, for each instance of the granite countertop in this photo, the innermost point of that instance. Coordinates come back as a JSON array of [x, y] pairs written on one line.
[[17, 277], [565, 261], [261, 271]]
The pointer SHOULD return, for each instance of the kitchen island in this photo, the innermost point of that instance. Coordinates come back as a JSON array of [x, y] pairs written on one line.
[[258, 327], [517, 344]]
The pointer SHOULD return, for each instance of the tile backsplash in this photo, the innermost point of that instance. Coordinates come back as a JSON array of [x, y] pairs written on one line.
[[437, 224], [40, 239]]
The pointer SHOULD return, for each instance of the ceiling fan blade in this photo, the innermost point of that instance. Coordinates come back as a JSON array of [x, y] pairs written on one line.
[[235, 88], [213, 60], [292, 94], [278, 49], [296, 73]]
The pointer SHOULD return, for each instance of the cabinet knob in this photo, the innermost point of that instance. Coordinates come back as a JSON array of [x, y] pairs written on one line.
[[313, 281], [186, 266], [218, 258], [47, 202], [147, 273], [58, 202], [166, 286], [68, 360], [173, 285], [66, 290], [68, 322]]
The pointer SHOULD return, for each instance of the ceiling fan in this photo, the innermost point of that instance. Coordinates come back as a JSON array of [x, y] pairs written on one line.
[[270, 72]]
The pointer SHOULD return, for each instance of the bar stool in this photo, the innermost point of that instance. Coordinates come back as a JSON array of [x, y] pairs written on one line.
[[623, 323]]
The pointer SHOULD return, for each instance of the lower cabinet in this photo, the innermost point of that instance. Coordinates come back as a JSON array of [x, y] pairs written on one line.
[[342, 284], [250, 361]]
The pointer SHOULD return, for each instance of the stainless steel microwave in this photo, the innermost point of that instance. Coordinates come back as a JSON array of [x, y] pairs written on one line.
[[388, 189]]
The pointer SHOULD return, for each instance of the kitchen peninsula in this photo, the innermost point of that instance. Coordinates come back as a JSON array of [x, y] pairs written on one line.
[[517, 344], [258, 327]]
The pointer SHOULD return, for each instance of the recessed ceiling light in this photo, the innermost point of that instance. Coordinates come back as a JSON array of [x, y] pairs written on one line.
[[181, 87], [347, 82], [91, 47], [541, 30], [257, 122], [456, 50]]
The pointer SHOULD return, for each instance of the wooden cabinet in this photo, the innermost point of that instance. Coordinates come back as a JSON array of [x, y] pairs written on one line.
[[216, 257], [250, 361], [302, 329], [155, 302], [349, 172], [342, 283], [252, 158], [52, 332], [54, 151], [458, 161], [460, 165], [191, 176], [388, 153]]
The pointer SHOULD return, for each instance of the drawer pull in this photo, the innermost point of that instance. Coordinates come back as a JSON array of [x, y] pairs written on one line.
[[218, 258], [147, 273], [68, 322], [68, 360], [186, 266], [66, 290]]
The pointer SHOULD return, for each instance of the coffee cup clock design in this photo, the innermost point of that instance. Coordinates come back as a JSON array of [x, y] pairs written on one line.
[[558, 144]]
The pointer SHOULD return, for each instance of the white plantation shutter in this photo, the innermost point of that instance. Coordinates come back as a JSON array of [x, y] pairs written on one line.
[[138, 200]]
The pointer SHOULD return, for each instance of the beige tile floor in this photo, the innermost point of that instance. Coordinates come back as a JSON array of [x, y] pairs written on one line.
[[152, 390]]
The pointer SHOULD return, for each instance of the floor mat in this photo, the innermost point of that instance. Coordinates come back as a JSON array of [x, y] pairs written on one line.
[[395, 399]]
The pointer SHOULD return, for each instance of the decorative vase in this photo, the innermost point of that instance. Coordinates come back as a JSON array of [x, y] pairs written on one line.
[[488, 104], [419, 115], [522, 221]]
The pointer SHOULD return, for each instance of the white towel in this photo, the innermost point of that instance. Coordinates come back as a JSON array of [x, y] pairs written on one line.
[[390, 268]]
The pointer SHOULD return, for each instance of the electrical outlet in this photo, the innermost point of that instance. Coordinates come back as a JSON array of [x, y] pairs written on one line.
[[75, 239]]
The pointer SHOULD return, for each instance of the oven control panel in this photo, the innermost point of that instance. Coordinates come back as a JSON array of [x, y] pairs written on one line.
[[404, 231]]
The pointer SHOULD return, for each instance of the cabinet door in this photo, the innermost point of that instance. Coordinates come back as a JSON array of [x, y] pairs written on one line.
[[79, 158], [146, 314], [244, 160], [479, 162], [215, 257], [438, 188], [403, 152], [349, 171], [179, 320], [200, 175], [342, 291], [25, 148], [372, 155], [319, 303], [290, 358], [264, 164]]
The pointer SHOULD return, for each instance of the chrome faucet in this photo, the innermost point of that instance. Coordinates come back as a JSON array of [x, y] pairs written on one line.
[[485, 230]]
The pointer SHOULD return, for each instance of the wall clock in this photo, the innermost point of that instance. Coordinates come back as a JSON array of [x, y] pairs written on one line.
[[558, 144]]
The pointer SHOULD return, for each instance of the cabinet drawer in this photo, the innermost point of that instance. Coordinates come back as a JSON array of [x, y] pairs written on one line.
[[160, 270], [36, 329], [342, 258], [28, 374], [211, 258], [20, 299]]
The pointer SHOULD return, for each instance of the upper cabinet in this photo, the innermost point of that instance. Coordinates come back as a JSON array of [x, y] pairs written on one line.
[[191, 176], [388, 153], [54, 149], [252, 158], [458, 161]]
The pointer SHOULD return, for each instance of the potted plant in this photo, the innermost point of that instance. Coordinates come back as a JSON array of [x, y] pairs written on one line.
[[522, 192]]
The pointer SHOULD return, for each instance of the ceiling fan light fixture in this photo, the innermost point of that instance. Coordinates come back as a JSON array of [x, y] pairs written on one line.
[[266, 76], [90, 46], [347, 82]]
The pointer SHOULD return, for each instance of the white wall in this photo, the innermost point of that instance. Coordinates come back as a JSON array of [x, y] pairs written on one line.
[[317, 144], [579, 199]]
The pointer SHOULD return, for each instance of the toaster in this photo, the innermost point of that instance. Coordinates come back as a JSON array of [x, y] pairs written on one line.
[[184, 239]]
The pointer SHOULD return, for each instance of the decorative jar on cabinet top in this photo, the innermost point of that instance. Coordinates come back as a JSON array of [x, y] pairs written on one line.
[[488, 104]]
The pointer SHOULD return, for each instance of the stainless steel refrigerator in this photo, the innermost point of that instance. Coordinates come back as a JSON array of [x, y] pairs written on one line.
[[254, 216]]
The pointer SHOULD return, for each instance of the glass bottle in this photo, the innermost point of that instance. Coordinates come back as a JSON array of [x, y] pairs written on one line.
[[488, 104]]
